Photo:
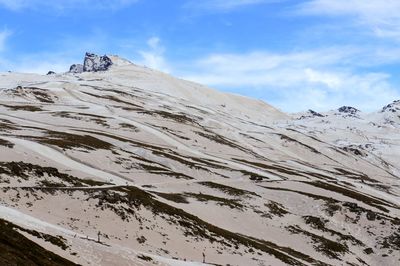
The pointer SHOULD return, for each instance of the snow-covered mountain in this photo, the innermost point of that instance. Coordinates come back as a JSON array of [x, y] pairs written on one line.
[[117, 164]]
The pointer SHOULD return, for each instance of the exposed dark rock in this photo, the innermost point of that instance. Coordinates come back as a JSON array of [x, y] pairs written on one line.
[[76, 68], [368, 251], [94, 63], [17, 249], [356, 150], [392, 241], [348, 110], [310, 114], [51, 73], [371, 216], [393, 107], [353, 207]]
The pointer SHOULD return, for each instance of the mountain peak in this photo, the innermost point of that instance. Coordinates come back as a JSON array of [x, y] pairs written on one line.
[[348, 110], [95, 63], [392, 107], [311, 114]]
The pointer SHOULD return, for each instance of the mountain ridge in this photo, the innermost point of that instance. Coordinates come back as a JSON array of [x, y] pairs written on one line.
[[133, 166]]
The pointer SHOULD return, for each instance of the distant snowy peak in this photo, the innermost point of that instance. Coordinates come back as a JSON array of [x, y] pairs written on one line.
[[393, 107], [348, 110], [390, 114], [344, 111], [311, 114], [95, 63]]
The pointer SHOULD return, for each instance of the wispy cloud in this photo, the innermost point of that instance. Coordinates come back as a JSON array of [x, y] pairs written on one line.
[[153, 57], [4, 35], [225, 5], [261, 68], [382, 17], [65, 4], [10, 4], [319, 79]]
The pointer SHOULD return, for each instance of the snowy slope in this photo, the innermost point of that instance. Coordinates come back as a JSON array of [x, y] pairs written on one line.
[[163, 170]]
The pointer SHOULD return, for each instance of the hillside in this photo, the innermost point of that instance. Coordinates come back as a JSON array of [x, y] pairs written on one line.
[[125, 165]]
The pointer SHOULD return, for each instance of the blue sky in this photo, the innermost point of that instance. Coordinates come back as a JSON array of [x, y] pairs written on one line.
[[293, 54]]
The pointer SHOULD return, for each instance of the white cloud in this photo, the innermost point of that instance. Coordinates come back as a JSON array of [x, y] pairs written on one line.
[[262, 68], [154, 56], [328, 79], [4, 35], [154, 43], [11, 4], [296, 81], [382, 17], [225, 4], [368, 92], [65, 4]]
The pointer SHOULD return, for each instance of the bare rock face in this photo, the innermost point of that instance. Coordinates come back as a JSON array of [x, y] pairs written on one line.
[[348, 110], [76, 68], [92, 63], [393, 107], [95, 63], [311, 114]]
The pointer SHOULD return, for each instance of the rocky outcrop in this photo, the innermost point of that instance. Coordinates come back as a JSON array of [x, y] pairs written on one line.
[[92, 63], [76, 68], [95, 63], [348, 110], [393, 107], [51, 73], [310, 114]]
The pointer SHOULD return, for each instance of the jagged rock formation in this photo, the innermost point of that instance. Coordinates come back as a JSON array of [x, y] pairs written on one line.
[[311, 113], [393, 107], [130, 166], [94, 63], [348, 110], [76, 68]]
